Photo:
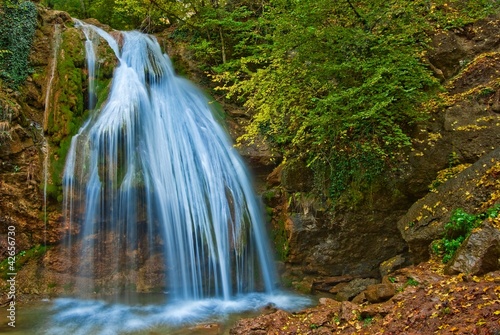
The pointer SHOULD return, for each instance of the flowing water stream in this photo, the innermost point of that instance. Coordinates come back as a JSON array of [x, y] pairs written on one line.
[[154, 191]]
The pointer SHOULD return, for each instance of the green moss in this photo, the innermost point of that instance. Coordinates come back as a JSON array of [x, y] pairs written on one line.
[[280, 238], [20, 259], [102, 88], [68, 110]]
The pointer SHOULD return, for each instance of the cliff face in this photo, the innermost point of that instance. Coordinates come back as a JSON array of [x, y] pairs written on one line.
[[362, 232], [36, 126], [24, 148]]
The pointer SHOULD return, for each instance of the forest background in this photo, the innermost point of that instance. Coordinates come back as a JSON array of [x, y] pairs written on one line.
[[335, 84]]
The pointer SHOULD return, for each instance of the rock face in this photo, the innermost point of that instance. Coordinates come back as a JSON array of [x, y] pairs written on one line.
[[23, 149], [36, 125], [366, 230], [469, 190], [379, 292]]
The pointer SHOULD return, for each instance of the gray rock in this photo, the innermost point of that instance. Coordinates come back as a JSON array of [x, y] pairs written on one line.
[[424, 222], [347, 291], [479, 253], [391, 265]]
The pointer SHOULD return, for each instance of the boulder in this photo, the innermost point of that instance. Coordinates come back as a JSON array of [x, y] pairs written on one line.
[[391, 265], [379, 292], [479, 253], [347, 291], [424, 222]]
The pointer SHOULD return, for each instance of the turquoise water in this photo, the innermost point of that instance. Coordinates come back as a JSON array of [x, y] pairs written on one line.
[[97, 317]]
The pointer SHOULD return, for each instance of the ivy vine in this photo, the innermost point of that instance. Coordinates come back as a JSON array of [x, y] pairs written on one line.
[[17, 30]]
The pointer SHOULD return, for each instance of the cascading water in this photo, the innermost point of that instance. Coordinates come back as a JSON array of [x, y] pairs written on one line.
[[152, 176], [45, 147]]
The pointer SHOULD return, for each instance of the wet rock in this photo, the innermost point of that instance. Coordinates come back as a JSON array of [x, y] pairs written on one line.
[[303, 285], [349, 241], [297, 177], [479, 253], [322, 316], [447, 53], [205, 329], [453, 49], [360, 298], [329, 302], [274, 178], [371, 311]]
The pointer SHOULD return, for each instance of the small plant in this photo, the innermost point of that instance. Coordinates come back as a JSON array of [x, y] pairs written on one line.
[[365, 319], [458, 229], [453, 159], [392, 279], [412, 282]]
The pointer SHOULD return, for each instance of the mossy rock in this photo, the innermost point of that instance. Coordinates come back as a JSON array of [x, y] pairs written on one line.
[[68, 102]]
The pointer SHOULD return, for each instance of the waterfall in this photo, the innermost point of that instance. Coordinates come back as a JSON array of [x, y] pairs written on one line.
[[154, 189], [45, 147], [152, 171]]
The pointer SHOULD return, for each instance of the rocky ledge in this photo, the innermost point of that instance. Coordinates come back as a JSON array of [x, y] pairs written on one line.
[[424, 301]]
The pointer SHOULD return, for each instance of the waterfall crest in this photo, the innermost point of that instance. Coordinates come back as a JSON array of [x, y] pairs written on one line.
[[152, 173]]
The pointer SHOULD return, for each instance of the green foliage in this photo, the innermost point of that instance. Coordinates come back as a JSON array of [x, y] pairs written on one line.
[[17, 28], [410, 281], [338, 85], [458, 229], [367, 321], [120, 14], [74, 7], [335, 90]]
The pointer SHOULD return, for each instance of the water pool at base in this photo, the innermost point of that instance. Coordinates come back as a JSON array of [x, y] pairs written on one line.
[[98, 317]]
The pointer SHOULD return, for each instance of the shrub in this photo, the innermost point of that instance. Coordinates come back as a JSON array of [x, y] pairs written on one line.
[[458, 229]]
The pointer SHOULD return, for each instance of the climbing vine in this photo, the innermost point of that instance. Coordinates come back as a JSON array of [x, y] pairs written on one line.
[[17, 29]]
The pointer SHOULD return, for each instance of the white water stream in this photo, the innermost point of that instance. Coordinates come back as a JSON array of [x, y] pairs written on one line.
[[152, 172]]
